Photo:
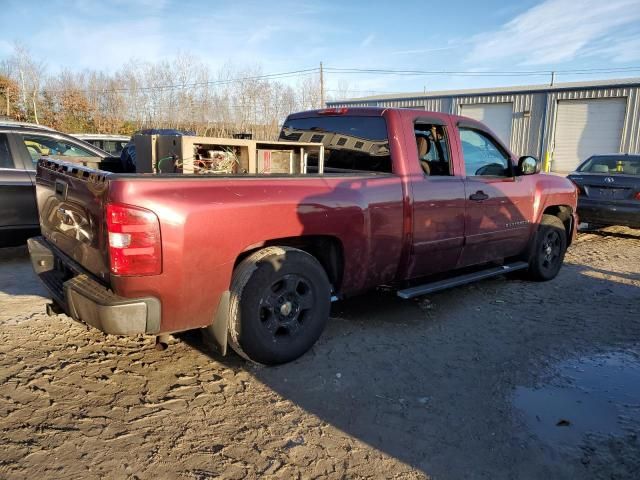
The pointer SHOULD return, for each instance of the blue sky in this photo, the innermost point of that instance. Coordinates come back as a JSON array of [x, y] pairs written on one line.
[[468, 36]]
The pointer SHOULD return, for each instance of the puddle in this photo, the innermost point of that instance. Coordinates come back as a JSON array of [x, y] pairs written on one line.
[[590, 395]]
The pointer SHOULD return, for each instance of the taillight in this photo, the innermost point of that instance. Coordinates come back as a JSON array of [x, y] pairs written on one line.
[[637, 197], [134, 240], [579, 187]]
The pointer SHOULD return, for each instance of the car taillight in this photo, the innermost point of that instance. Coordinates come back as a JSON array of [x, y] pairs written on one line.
[[134, 240], [637, 197], [579, 187]]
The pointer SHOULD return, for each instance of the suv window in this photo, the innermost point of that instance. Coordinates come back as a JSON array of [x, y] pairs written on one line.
[[482, 156], [5, 154], [433, 149], [43, 146], [351, 143]]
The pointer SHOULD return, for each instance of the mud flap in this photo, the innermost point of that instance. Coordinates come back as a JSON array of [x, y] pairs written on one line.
[[217, 332]]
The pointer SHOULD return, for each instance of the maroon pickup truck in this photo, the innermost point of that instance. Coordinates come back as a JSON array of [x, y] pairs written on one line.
[[416, 200]]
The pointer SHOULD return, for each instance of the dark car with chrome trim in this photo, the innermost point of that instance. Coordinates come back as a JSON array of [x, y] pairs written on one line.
[[609, 190]]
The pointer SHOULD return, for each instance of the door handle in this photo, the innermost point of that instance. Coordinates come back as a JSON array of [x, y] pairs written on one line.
[[478, 196]]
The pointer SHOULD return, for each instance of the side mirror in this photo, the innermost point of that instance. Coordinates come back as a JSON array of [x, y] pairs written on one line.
[[528, 165]]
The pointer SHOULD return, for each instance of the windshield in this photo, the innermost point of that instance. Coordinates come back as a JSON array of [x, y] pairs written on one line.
[[612, 165]]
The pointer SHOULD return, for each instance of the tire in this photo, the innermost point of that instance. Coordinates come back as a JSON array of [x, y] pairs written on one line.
[[549, 248], [279, 305]]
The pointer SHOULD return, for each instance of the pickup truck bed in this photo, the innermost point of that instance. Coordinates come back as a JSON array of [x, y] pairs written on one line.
[[255, 260]]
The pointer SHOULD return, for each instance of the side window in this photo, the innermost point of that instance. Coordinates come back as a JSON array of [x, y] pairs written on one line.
[[42, 146], [5, 154], [109, 146], [113, 147], [482, 157], [433, 149]]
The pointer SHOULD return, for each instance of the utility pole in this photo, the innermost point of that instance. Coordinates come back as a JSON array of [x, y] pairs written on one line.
[[553, 77], [321, 86]]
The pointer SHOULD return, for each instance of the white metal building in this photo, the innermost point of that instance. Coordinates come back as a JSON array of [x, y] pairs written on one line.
[[564, 123]]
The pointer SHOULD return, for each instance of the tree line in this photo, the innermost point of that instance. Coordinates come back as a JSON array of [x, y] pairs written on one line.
[[182, 92]]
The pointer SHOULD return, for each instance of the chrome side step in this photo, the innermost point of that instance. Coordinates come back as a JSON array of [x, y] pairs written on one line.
[[460, 280]]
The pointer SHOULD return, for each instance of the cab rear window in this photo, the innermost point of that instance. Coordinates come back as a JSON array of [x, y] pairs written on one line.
[[351, 143]]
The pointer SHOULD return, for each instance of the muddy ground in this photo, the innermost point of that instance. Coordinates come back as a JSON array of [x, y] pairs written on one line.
[[500, 379]]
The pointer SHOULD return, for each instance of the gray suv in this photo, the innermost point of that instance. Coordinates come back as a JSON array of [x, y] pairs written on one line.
[[21, 145]]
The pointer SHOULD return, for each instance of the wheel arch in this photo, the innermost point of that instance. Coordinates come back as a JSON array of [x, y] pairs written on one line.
[[328, 250], [565, 214]]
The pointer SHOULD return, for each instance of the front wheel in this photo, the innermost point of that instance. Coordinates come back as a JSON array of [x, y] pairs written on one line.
[[548, 250], [279, 305]]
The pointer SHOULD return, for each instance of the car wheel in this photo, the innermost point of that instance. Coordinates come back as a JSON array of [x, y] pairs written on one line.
[[279, 305], [549, 248]]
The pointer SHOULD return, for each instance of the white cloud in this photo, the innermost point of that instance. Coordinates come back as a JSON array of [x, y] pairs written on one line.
[[367, 41], [263, 34], [418, 51], [105, 38], [620, 49], [105, 47], [554, 31]]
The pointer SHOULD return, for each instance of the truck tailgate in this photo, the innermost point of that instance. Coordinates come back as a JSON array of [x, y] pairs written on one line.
[[71, 203]]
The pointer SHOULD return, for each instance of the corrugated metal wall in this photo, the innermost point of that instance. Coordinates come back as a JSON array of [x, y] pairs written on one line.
[[631, 133], [630, 137], [528, 111], [534, 113]]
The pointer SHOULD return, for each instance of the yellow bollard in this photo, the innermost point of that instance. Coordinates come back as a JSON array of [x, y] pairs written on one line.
[[546, 164]]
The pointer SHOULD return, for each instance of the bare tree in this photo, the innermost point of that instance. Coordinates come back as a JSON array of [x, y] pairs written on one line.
[[181, 92], [9, 91], [342, 91], [29, 73], [308, 89]]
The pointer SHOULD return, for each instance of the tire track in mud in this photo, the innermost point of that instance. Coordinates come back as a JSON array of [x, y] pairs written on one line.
[[393, 389]]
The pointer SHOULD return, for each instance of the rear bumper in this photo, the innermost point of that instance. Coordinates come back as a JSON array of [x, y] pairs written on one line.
[[88, 301], [609, 213]]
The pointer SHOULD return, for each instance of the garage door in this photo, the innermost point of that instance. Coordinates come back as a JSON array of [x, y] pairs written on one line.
[[497, 116], [584, 128]]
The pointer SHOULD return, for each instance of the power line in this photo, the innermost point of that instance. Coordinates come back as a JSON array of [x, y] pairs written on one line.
[[269, 76], [353, 71]]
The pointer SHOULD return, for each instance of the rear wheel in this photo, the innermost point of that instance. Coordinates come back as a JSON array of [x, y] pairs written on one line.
[[548, 250], [279, 305]]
